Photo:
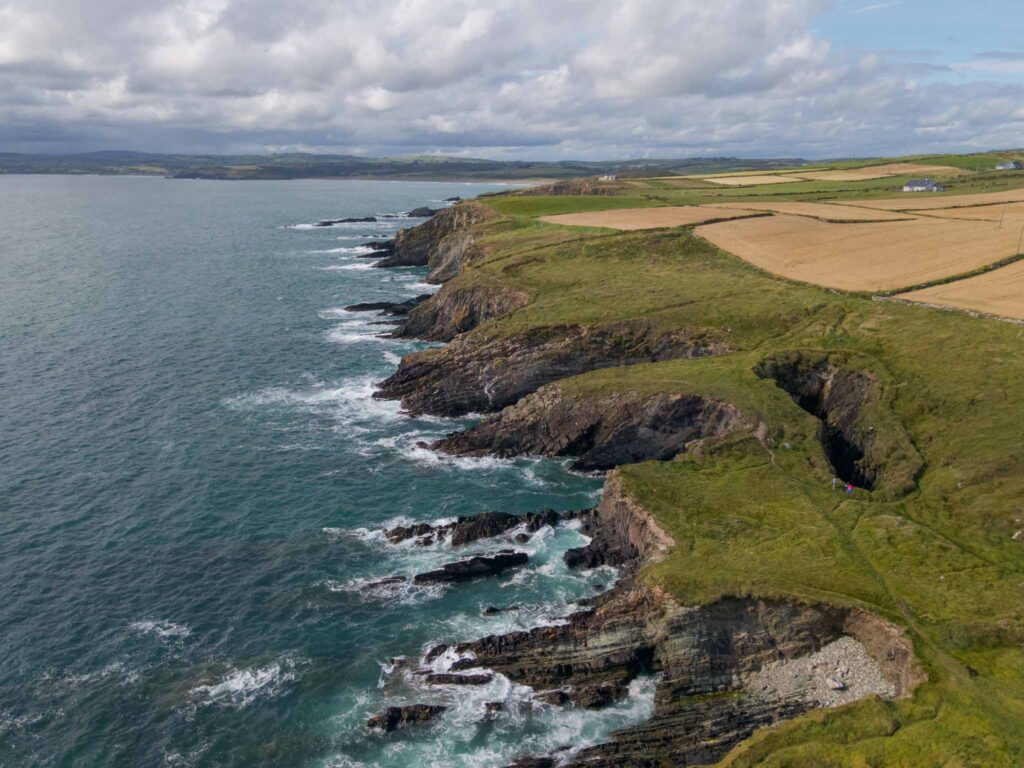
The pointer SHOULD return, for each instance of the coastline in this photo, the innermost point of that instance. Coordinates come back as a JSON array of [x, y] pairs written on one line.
[[795, 657]]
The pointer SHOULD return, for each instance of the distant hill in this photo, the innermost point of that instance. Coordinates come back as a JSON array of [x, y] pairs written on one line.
[[313, 166]]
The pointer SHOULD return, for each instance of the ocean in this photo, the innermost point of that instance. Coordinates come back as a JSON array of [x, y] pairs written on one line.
[[193, 480]]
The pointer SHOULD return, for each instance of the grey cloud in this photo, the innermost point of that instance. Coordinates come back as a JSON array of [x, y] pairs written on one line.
[[513, 78]]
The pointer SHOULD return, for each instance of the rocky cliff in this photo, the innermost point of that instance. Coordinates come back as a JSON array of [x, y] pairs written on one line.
[[601, 431], [456, 309], [722, 670], [483, 374], [443, 243]]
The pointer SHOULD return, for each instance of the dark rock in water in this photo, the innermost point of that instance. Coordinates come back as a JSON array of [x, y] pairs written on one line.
[[596, 696], [436, 651], [390, 308], [378, 248], [423, 212], [522, 538], [402, 533], [453, 199], [491, 610], [557, 697], [386, 582], [490, 524], [474, 567], [440, 678], [493, 707], [394, 718], [356, 220], [486, 525]]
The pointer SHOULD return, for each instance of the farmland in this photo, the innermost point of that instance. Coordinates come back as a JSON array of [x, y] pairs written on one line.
[[867, 256], [939, 554]]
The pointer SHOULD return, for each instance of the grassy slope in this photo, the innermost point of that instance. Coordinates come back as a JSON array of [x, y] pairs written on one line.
[[750, 520]]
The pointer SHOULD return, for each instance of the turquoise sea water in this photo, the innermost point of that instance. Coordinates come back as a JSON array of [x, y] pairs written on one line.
[[192, 475]]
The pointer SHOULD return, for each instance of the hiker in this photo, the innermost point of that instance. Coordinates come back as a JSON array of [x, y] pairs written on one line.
[[849, 489], [835, 483]]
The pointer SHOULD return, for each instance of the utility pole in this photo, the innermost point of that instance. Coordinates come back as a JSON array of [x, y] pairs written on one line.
[[1020, 241]]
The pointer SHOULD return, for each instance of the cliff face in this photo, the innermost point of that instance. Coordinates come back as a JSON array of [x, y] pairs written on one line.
[[724, 669], [482, 375], [456, 309], [443, 243], [601, 431]]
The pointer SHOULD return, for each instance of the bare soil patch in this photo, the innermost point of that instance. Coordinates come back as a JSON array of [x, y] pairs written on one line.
[[866, 256], [999, 292], [645, 218]]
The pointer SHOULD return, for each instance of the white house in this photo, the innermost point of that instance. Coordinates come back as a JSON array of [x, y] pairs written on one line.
[[1012, 165], [607, 177], [922, 185]]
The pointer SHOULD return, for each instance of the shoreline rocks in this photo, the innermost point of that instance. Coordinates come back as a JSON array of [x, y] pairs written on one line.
[[482, 375], [602, 432], [474, 567], [393, 718]]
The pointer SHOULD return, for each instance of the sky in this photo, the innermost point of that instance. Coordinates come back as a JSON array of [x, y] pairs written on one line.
[[513, 79]]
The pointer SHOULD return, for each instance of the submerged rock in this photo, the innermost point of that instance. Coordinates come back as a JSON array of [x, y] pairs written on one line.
[[394, 718]]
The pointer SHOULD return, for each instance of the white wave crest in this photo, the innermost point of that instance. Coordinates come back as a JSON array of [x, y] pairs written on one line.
[[162, 629], [241, 687]]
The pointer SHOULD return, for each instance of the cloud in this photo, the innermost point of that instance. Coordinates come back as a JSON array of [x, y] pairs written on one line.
[[876, 7], [501, 78]]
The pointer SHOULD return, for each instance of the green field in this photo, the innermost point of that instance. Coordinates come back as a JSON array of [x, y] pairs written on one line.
[[931, 548]]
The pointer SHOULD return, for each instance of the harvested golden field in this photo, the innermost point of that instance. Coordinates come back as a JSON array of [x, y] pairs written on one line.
[[1007, 213], [925, 201], [880, 172], [863, 257], [752, 180], [999, 292], [829, 211], [646, 218]]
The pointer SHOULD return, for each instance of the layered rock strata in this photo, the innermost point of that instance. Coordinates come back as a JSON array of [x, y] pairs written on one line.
[[479, 375]]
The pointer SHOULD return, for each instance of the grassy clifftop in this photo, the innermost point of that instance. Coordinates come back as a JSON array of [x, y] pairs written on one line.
[[934, 546]]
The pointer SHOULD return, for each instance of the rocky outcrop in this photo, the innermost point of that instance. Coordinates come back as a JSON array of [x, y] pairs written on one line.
[[394, 718], [623, 534], [474, 567], [443, 243], [423, 212], [469, 528], [602, 431], [389, 308], [484, 374], [351, 220], [864, 441], [723, 669], [457, 308]]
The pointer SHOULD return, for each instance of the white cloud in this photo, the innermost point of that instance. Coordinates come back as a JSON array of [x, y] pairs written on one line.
[[535, 78]]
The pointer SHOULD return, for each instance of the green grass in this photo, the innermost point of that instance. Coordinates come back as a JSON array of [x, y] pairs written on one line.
[[753, 518]]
